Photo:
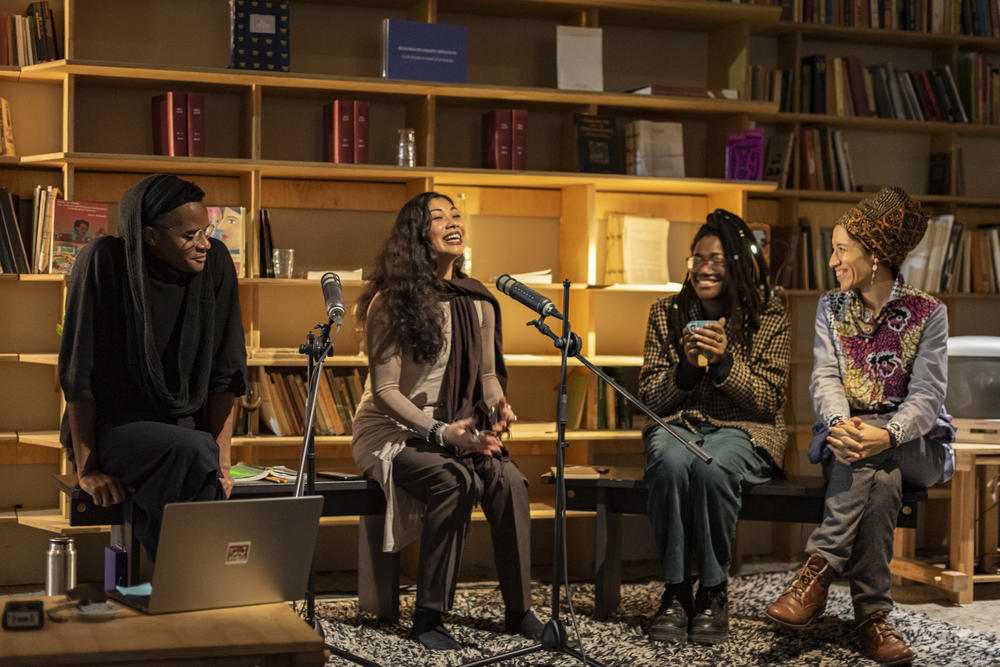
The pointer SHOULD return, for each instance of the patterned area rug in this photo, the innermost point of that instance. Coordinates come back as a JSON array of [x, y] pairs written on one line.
[[477, 623]]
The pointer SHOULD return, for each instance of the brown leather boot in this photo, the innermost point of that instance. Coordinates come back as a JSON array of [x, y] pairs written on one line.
[[881, 642], [805, 598]]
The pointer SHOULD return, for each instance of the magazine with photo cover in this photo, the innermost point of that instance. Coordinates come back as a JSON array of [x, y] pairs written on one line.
[[74, 225]]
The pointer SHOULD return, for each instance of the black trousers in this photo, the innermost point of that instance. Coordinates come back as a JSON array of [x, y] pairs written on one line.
[[160, 463], [448, 486]]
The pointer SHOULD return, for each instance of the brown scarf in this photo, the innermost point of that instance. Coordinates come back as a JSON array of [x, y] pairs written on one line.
[[462, 387]]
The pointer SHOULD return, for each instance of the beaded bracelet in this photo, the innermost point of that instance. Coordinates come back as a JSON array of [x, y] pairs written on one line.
[[435, 432]]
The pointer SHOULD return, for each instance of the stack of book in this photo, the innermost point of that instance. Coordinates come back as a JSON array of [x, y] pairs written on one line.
[[284, 396], [179, 124], [505, 139], [346, 131], [30, 38], [979, 87], [593, 405]]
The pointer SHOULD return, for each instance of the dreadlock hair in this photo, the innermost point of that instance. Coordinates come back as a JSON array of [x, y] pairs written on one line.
[[406, 281], [747, 279]]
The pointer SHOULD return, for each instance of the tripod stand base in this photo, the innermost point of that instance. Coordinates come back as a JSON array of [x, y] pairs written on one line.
[[554, 638]]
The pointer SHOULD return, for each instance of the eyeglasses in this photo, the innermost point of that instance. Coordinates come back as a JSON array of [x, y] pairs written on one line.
[[694, 262], [196, 237]]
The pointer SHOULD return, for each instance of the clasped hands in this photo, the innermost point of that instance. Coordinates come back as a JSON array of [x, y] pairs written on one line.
[[854, 439], [463, 435], [709, 341]]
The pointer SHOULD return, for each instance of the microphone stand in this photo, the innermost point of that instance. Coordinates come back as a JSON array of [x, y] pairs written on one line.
[[554, 635], [318, 348]]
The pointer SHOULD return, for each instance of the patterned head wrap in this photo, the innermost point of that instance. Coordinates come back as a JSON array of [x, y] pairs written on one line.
[[888, 224]]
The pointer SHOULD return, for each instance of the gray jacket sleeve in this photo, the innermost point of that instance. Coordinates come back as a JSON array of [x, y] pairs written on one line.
[[826, 386]]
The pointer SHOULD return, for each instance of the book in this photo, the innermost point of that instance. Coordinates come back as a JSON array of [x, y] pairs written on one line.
[[939, 173], [12, 230], [362, 111], [170, 124], [74, 225], [745, 155], [654, 149], [636, 250], [195, 124], [580, 471], [229, 222], [579, 58], [259, 35], [343, 274], [596, 144], [265, 244], [497, 139], [687, 91], [424, 51], [43, 234], [6, 129], [519, 139], [778, 159], [338, 131]]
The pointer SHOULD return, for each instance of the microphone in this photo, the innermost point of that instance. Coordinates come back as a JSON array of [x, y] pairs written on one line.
[[527, 296], [334, 297]]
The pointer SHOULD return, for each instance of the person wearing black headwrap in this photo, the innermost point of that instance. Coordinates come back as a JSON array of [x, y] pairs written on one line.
[[152, 356]]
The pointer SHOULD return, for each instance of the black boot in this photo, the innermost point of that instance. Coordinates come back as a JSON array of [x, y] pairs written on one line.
[[671, 622], [524, 623], [710, 624], [429, 631]]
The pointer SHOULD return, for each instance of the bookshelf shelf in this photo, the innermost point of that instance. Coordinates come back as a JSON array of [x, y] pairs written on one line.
[[907, 38], [853, 197], [113, 162], [889, 125]]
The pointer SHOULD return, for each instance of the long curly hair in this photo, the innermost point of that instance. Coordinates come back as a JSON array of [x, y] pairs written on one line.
[[748, 279], [406, 281]]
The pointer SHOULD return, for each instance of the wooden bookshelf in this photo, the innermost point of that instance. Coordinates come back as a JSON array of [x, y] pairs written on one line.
[[82, 124]]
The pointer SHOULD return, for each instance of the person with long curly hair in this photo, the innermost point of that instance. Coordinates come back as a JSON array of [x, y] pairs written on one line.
[[722, 386], [878, 384], [429, 422]]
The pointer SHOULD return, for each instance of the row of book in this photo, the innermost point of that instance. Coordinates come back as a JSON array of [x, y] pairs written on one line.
[[844, 87], [770, 85], [825, 160], [505, 139], [346, 131], [179, 124], [980, 18], [953, 258], [284, 396], [30, 38], [592, 404]]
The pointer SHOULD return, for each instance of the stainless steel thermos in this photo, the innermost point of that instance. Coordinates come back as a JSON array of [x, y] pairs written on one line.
[[60, 566]]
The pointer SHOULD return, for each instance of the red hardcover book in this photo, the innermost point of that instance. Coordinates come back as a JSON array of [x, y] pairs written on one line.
[[925, 83], [497, 139], [856, 76], [519, 139], [170, 124], [195, 124], [339, 131], [361, 136]]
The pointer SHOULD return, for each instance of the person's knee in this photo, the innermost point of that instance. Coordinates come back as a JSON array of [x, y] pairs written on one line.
[[887, 488], [715, 479], [454, 484], [190, 444]]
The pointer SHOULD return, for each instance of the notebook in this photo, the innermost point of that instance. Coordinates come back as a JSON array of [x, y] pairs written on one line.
[[231, 553]]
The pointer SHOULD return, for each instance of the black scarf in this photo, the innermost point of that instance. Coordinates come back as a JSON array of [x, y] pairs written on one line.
[[462, 387], [140, 205]]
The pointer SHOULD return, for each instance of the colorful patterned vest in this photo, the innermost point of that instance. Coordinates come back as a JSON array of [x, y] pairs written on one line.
[[876, 355]]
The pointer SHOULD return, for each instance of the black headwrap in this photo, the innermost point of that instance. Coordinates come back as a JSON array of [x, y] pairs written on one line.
[[140, 206]]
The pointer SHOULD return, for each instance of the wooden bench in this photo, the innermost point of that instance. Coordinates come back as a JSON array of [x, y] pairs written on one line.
[[378, 572], [622, 491]]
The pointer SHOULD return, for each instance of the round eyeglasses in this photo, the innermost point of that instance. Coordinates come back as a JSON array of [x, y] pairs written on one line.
[[694, 262]]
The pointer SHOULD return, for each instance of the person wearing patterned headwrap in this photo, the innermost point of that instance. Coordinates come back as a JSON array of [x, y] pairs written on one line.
[[730, 401], [878, 387], [152, 356]]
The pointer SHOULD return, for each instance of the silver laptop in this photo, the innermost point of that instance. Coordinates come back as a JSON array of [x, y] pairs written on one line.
[[230, 553]]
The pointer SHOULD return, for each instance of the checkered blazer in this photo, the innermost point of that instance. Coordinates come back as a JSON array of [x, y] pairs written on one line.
[[751, 398]]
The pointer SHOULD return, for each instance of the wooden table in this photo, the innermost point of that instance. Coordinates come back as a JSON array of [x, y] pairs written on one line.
[[973, 460], [269, 634]]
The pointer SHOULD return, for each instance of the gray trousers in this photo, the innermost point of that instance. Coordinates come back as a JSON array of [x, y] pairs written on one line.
[[862, 504], [449, 488], [694, 505]]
